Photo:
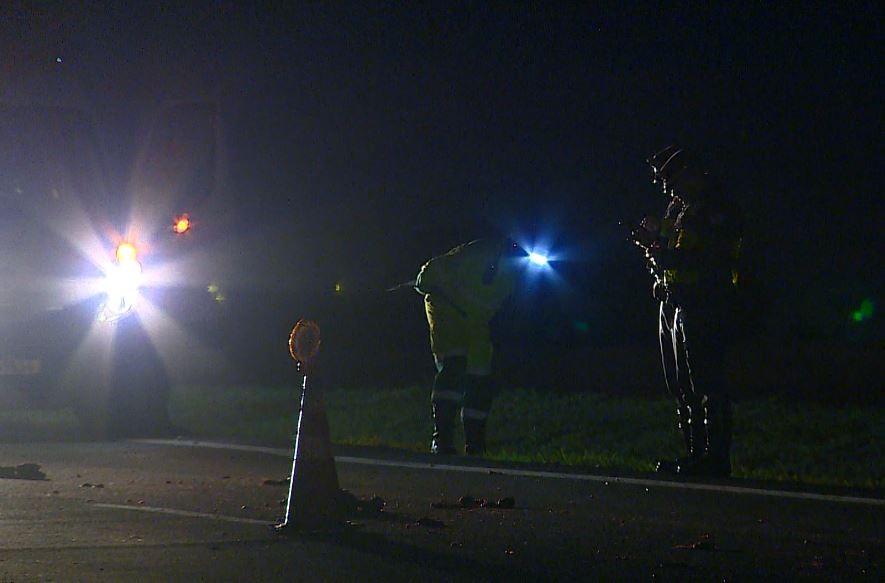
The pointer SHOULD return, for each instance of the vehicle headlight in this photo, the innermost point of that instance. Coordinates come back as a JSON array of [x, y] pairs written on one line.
[[122, 281], [537, 258]]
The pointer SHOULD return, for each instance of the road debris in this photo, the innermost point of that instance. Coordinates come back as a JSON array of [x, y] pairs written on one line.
[[468, 501], [352, 504], [373, 504], [707, 542]]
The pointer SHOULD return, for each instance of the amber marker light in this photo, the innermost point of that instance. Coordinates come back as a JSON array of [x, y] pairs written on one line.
[[126, 253], [182, 224]]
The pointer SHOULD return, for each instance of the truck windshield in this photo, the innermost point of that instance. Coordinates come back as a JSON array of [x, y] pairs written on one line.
[[175, 169], [48, 160]]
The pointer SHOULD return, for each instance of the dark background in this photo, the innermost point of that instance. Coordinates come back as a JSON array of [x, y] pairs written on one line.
[[367, 137]]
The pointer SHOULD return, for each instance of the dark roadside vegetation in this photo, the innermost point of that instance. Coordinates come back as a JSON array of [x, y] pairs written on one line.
[[774, 439], [573, 391], [577, 386]]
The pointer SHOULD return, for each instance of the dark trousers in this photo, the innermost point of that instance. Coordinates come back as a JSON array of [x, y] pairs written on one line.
[[695, 340], [672, 353], [454, 390]]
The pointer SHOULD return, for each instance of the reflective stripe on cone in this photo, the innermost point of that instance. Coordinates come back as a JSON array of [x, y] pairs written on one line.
[[315, 501]]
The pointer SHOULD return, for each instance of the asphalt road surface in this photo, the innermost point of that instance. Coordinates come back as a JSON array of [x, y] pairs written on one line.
[[181, 511]]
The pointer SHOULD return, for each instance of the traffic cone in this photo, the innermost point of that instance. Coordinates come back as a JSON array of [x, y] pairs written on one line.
[[315, 498]]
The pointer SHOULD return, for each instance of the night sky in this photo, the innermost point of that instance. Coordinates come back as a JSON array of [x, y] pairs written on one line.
[[368, 137]]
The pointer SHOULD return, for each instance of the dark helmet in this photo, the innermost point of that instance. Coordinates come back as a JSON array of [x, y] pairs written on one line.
[[666, 164], [678, 172]]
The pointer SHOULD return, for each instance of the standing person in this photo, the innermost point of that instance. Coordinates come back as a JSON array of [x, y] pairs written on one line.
[[463, 290], [698, 267], [653, 235]]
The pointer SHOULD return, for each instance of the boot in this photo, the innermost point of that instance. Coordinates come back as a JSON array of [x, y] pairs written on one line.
[[448, 388], [477, 404], [474, 436], [719, 431], [715, 459], [692, 433], [443, 428], [709, 465]]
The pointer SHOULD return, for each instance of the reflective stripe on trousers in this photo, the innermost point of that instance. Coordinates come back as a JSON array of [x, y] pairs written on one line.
[[443, 395], [475, 414]]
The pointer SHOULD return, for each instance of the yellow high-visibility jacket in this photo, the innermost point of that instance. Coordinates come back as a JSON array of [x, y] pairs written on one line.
[[463, 289], [707, 248], [472, 278]]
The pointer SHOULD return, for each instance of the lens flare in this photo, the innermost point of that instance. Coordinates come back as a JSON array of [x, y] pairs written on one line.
[[865, 312]]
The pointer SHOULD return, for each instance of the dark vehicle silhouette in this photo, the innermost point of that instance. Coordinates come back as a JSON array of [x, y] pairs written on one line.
[[110, 261]]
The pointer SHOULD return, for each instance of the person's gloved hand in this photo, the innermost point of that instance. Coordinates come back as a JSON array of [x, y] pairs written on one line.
[[646, 233], [650, 224], [660, 291]]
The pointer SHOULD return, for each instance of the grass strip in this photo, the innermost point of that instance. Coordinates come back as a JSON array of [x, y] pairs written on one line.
[[774, 439]]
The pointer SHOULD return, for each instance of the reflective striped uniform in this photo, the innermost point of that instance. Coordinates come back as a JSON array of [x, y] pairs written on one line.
[[463, 290]]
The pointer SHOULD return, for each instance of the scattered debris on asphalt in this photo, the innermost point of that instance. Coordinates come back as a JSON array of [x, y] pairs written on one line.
[[468, 501], [706, 543], [373, 504], [352, 504]]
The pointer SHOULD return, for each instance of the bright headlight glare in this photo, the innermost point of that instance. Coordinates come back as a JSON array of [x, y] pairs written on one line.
[[124, 279], [126, 253], [121, 286], [538, 258]]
